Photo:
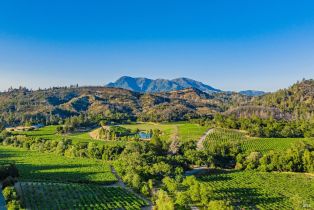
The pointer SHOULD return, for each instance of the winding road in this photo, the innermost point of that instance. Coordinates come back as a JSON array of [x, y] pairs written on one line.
[[199, 145]]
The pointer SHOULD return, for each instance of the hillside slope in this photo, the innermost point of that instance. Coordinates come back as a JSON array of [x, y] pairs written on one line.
[[293, 103], [52, 105]]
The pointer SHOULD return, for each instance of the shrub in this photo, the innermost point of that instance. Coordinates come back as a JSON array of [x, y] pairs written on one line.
[[8, 170], [219, 205], [11, 198], [9, 181]]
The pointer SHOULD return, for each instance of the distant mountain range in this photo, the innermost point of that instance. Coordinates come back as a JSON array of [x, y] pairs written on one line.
[[252, 92], [144, 85]]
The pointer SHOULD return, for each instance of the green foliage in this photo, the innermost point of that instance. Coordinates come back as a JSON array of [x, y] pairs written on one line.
[[78, 196], [298, 158], [248, 144], [170, 184], [45, 166], [219, 205], [269, 127], [12, 199], [113, 132], [259, 190], [141, 163], [164, 201], [7, 170]]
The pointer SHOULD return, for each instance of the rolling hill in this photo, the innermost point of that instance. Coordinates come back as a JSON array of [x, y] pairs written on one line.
[[23, 105], [51, 105]]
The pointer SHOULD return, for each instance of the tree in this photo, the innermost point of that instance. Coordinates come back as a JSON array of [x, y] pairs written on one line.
[[145, 189], [183, 199], [156, 142], [205, 192], [1, 127], [219, 205], [164, 201], [170, 184], [308, 161], [252, 161]]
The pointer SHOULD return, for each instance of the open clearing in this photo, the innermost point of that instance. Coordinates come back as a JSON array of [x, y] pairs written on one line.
[[50, 132], [183, 131], [37, 166]]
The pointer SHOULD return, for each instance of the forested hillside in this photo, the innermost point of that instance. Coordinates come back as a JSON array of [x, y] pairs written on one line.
[[297, 100], [293, 103], [50, 106]]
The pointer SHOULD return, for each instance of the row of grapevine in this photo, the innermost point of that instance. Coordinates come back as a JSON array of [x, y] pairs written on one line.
[[260, 190], [220, 136], [46, 196], [49, 167]]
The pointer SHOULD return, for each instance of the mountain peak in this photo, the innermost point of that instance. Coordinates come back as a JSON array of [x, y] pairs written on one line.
[[141, 84]]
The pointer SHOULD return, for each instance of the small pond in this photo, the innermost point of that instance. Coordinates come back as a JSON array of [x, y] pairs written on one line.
[[144, 135]]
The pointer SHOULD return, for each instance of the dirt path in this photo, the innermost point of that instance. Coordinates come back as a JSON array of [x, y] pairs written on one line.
[[200, 142], [2, 201], [121, 184]]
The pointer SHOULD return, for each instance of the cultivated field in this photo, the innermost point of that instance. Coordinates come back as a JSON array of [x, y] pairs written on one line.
[[248, 144], [262, 190], [38, 166], [51, 196]]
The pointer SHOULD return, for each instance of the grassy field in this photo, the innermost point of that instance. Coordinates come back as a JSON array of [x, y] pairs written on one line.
[[259, 190], [37, 166], [184, 131], [249, 144], [51, 196], [50, 132]]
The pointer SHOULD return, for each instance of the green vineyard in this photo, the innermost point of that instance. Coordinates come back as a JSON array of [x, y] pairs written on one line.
[[258, 190], [249, 144], [39, 166], [54, 196]]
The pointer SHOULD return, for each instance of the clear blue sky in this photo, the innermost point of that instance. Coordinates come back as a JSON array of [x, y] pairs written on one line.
[[231, 45]]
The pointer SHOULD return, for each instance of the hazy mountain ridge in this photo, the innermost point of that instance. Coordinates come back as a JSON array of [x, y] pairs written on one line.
[[252, 92], [145, 85]]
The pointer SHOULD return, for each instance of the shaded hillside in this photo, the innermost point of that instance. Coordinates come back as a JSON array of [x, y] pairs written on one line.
[[52, 105], [295, 102]]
